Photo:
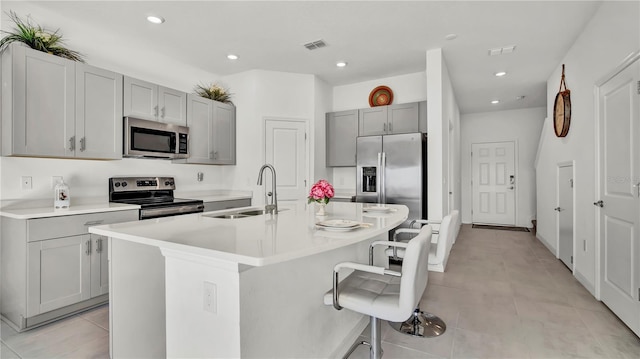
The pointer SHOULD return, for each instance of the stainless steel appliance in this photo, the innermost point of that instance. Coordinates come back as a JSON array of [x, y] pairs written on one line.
[[153, 194], [153, 139], [393, 169]]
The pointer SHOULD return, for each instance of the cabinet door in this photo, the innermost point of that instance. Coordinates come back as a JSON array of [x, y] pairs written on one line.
[[342, 131], [140, 99], [172, 106], [224, 133], [99, 266], [373, 121], [403, 118], [98, 113], [200, 122], [58, 273], [43, 103]]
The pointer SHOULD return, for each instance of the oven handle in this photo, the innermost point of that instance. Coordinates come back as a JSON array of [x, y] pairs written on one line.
[[172, 210]]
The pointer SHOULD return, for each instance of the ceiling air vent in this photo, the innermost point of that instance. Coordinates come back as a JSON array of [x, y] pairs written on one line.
[[315, 44]]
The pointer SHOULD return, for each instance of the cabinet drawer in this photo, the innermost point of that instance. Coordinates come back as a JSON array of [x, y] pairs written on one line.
[[55, 227]]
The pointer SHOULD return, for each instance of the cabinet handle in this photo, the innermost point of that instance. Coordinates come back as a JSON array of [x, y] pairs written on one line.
[[211, 155], [163, 112], [93, 223], [155, 111], [83, 144], [384, 127], [88, 251], [391, 127], [215, 155], [72, 143], [99, 246]]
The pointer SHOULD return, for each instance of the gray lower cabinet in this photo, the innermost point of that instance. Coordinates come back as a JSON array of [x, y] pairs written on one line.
[[148, 101], [54, 107], [51, 267], [342, 131], [220, 205], [212, 132], [393, 119]]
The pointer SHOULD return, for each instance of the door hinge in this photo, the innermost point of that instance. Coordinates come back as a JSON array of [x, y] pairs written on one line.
[[305, 136], [638, 294], [638, 87], [571, 259]]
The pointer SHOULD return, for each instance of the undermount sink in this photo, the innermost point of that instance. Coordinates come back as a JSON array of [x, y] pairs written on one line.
[[242, 214]]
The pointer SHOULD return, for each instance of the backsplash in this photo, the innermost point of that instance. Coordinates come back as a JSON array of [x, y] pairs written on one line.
[[87, 178]]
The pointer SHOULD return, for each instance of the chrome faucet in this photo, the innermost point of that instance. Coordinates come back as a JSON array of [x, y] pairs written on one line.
[[273, 206]]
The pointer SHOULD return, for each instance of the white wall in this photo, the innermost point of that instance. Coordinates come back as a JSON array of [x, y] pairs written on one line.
[[521, 126], [406, 88], [257, 94], [612, 34], [442, 115], [323, 104]]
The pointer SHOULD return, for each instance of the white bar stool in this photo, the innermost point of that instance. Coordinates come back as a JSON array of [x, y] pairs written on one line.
[[381, 293]]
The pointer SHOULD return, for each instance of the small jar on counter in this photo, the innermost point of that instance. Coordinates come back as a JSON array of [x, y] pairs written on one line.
[[61, 199]]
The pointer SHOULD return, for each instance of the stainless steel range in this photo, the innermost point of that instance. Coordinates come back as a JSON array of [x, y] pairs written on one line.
[[154, 195]]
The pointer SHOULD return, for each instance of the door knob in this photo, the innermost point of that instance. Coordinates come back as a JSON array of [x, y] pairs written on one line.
[[510, 187], [600, 203], [557, 209]]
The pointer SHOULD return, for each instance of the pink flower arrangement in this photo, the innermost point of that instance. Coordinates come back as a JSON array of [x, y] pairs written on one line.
[[321, 192]]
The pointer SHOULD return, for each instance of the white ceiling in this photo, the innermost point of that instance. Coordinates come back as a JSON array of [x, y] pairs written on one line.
[[377, 38]]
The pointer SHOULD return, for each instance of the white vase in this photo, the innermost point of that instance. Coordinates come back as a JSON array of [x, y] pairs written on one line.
[[321, 209]]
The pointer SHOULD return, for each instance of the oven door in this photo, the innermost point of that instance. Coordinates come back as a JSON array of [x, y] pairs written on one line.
[[154, 139]]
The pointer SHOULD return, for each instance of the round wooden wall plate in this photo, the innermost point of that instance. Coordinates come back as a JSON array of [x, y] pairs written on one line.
[[380, 96]]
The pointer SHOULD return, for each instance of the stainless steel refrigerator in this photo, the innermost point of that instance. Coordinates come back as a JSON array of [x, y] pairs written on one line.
[[393, 169]]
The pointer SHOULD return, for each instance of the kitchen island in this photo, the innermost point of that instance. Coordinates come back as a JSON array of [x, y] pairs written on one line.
[[245, 287]]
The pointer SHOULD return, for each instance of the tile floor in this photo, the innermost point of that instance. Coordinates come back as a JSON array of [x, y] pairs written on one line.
[[504, 295]]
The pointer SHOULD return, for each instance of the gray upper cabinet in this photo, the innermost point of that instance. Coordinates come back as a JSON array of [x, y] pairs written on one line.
[[98, 113], [54, 107], [212, 132], [37, 103], [342, 131], [373, 121], [393, 119], [224, 133], [153, 102]]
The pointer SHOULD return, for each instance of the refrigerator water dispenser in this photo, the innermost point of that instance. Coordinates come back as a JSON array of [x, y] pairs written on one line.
[[369, 179]]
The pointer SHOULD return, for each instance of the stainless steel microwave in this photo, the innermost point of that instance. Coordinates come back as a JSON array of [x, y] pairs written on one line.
[[151, 139]]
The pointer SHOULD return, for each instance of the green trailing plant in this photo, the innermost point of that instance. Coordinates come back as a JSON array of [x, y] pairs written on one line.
[[37, 38], [213, 92]]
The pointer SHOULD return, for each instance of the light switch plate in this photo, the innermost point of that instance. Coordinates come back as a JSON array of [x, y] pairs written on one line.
[[210, 300]]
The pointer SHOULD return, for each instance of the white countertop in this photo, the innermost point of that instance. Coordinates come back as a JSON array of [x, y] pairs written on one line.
[[258, 240], [18, 212], [42, 208]]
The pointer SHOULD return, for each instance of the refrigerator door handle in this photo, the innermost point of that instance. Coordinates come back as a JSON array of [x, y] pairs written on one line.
[[382, 177], [379, 179]]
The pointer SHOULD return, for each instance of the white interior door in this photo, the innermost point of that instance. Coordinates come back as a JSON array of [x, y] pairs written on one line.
[[619, 211], [493, 183], [565, 214], [286, 150]]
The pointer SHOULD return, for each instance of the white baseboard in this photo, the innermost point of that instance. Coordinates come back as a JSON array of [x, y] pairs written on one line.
[[585, 283], [546, 244]]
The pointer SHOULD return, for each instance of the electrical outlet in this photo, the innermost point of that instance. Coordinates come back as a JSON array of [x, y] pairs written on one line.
[[55, 180], [200, 176], [209, 298], [26, 182]]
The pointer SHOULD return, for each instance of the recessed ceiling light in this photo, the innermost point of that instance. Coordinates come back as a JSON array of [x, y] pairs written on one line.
[[495, 102], [341, 64], [155, 19], [500, 73], [232, 57], [451, 37]]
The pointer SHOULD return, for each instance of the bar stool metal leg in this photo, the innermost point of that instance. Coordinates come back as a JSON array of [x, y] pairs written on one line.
[[375, 347], [421, 324]]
